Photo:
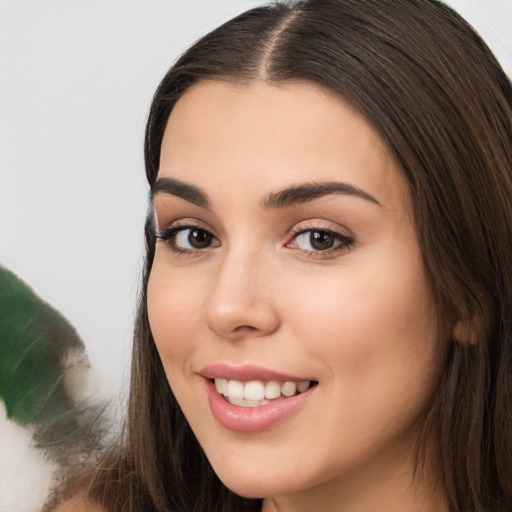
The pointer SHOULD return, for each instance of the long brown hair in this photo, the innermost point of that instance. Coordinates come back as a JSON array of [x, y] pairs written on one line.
[[437, 96]]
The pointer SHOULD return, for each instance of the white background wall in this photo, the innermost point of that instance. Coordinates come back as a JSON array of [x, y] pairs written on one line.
[[76, 79]]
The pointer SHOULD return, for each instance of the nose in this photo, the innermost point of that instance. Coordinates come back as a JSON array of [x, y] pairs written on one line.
[[240, 303]]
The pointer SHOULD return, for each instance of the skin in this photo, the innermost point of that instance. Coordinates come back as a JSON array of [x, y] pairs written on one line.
[[79, 503], [361, 320]]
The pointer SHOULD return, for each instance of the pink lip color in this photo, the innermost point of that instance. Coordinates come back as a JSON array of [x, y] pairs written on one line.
[[246, 373], [251, 420]]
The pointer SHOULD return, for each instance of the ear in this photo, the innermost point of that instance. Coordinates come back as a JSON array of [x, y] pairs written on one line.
[[466, 332]]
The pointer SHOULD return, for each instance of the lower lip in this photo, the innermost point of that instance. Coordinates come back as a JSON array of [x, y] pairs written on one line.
[[251, 420]]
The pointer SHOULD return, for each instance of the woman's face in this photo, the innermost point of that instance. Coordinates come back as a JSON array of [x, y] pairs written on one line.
[[288, 253]]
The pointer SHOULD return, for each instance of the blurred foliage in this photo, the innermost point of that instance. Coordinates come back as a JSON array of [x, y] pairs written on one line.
[[34, 342], [38, 346]]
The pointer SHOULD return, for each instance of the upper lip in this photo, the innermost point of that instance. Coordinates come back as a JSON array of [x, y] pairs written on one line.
[[247, 373]]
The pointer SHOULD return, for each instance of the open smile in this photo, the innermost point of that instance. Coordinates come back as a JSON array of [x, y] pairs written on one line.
[[256, 393], [251, 400]]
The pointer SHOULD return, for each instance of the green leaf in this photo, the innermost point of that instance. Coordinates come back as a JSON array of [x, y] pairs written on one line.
[[35, 341]]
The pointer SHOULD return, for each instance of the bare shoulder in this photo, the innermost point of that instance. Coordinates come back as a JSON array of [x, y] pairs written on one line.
[[79, 503]]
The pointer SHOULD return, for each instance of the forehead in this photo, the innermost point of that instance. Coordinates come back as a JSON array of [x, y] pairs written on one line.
[[266, 137]]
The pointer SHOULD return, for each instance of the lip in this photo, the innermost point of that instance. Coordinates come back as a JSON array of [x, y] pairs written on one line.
[[252, 420], [247, 373]]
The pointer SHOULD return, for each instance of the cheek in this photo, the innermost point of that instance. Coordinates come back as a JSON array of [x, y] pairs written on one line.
[[175, 306], [375, 326], [173, 311], [376, 338], [365, 307]]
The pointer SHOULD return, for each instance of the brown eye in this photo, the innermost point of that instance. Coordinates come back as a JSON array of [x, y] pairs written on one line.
[[197, 238], [321, 240], [188, 239]]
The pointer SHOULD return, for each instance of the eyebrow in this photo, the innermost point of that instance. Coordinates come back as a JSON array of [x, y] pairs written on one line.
[[309, 191], [177, 188], [291, 196]]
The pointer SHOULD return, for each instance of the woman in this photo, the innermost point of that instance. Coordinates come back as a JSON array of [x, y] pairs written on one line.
[[325, 314]]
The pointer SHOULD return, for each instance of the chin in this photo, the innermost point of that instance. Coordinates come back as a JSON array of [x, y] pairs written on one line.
[[252, 488], [260, 480]]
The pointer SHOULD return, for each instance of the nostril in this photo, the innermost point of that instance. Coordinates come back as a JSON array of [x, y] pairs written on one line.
[[244, 328]]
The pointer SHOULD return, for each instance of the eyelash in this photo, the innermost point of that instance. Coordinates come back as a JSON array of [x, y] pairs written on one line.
[[169, 234], [344, 242]]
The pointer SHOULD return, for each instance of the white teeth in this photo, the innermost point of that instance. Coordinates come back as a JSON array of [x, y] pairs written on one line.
[[289, 388], [235, 389], [255, 393], [254, 390], [222, 386], [272, 390]]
